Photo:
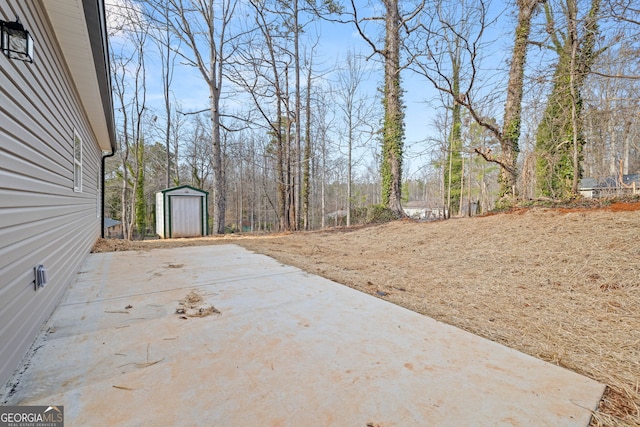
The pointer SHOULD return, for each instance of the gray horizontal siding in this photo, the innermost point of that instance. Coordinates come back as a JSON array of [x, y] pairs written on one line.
[[42, 220]]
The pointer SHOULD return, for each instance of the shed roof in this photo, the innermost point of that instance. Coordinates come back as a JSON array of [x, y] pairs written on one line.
[[109, 222], [420, 204], [183, 186]]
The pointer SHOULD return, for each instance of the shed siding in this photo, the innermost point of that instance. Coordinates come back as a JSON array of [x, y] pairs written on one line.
[[42, 219], [160, 221]]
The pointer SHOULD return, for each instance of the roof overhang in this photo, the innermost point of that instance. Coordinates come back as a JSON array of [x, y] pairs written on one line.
[[80, 29]]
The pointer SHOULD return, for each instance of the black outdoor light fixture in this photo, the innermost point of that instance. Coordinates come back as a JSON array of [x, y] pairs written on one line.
[[16, 41]]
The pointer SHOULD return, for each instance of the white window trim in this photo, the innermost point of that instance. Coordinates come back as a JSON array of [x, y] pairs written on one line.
[[98, 190], [77, 164]]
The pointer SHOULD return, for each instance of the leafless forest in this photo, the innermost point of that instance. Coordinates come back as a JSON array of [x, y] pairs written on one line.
[[292, 129]]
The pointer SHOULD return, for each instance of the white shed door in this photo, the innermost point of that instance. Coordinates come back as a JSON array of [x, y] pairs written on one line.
[[186, 216]]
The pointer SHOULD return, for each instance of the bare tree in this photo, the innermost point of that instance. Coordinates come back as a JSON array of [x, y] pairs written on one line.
[[164, 39], [357, 113], [512, 121], [398, 23], [262, 69], [611, 111], [128, 69], [467, 27], [197, 163], [306, 161], [203, 27]]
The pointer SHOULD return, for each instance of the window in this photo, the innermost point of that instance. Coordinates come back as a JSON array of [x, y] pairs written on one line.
[[98, 192], [77, 162]]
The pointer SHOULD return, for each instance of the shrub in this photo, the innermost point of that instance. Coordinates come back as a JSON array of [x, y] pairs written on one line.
[[377, 214]]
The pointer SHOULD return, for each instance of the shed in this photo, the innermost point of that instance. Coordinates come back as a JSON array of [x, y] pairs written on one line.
[[181, 212]]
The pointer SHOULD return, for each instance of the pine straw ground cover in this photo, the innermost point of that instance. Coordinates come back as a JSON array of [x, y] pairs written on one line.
[[560, 285]]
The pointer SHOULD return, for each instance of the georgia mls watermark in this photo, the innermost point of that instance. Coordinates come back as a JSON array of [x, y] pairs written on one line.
[[31, 416]]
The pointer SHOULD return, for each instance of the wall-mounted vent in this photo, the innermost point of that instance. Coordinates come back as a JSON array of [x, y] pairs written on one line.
[[42, 276]]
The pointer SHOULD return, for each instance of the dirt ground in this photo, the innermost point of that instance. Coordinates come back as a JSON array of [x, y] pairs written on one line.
[[562, 285]]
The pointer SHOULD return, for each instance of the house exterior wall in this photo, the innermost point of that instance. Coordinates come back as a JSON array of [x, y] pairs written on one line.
[[42, 219], [114, 232]]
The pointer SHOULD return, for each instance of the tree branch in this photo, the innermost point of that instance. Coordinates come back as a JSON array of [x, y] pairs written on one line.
[[615, 76], [488, 156], [361, 32], [194, 112], [411, 16]]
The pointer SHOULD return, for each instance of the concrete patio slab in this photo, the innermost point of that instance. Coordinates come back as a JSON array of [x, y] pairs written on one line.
[[287, 349]]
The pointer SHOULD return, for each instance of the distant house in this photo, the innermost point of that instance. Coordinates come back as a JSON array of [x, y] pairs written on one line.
[[56, 124], [421, 210], [609, 186], [415, 209], [113, 229]]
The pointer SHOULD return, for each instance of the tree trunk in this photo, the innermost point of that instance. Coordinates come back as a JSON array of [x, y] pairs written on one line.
[[306, 185], [323, 179], [460, 199], [513, 107], [298, 120], [219, 202], [140, 202], [167, 72], [626, 147], [560, 138], [393, 131], [575, 127], [455, 172]]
